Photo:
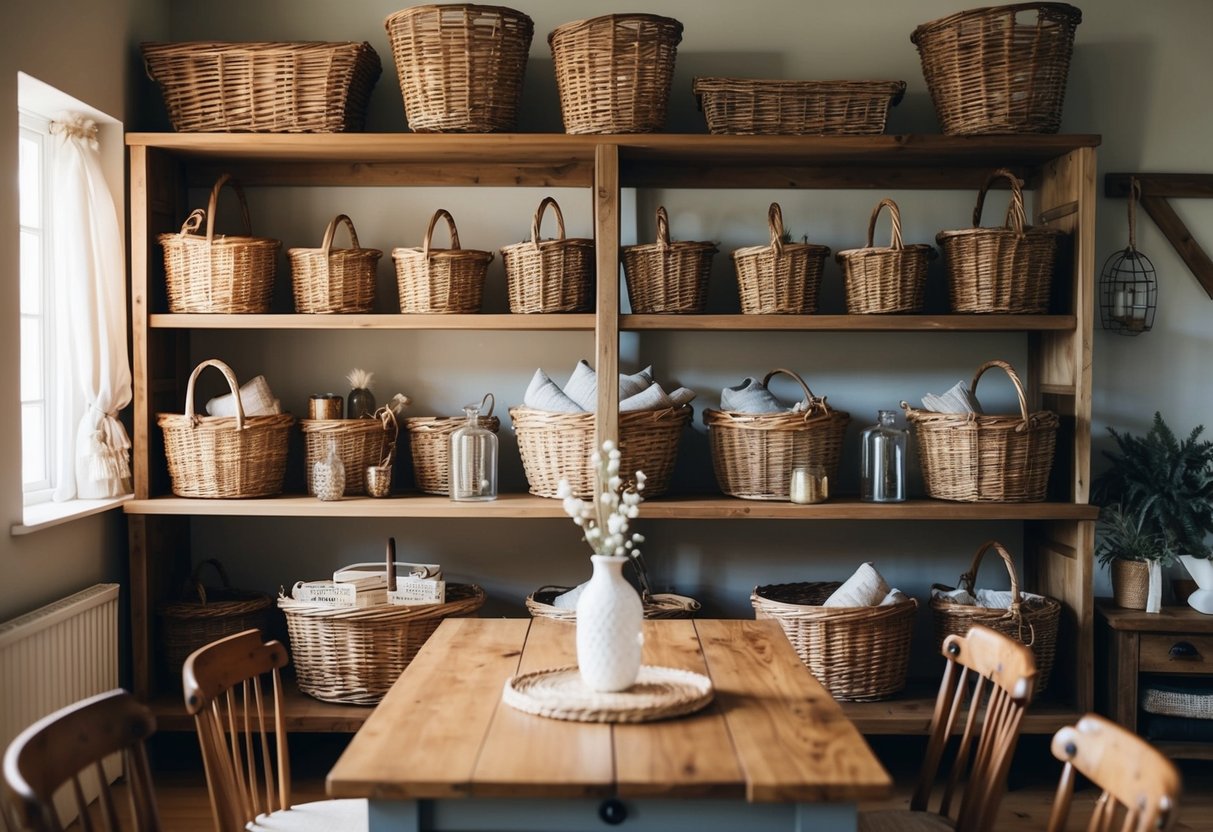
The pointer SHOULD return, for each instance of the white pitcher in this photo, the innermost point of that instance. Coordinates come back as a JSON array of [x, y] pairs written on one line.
[[1201, 571]]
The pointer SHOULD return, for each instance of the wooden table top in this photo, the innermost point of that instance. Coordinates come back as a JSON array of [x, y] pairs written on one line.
[[773, 733]]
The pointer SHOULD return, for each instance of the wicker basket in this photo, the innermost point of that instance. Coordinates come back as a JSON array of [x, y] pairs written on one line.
[[990, 73], [1031, 621], [881, 280], [1130, 583], [204, 614], [665, 277], [1000, 270], [748, 107], [858, 653], [328, 280], [614, 72], [353, 655], [218, 274], [360, 444], [557, 446], [550, 275], [224, 456], [430, 441], [264, 87], [441, 280], [659, 605], [753, 453], [779, 278], [975, 458]]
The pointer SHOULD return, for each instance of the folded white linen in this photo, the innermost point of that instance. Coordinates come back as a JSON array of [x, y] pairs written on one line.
[[683, 395], [543, 394], [895, 596], [866, 588], [255, 397], [958, 399], [991, 599], [652, 397], [582, 386]]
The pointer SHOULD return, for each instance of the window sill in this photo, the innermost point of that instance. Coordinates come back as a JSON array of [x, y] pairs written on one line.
[[45, 515]]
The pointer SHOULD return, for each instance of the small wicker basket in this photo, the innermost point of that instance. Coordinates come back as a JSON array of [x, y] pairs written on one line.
[[779, 278], [1031, 621], [441, 280], [749, 107], [613, 72], [659, 605], [990, 71], [328, 280], [218, 273], [972, 458], [557, 446], [550, 275], [859, 654], [1000, 270], [430, 442], [753, 453], [666, 277], [880, 280], [360, 444], [460, 65], [353, 655], [224, 456]]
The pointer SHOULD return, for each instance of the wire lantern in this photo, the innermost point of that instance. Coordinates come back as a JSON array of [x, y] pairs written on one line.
[[1128, 286]]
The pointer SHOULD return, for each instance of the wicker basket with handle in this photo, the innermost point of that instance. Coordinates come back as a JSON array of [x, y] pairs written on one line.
[[858, 653], [224, 456], [360, 444], [657, 605], [327, 280], [430, 444], [665, 276], [753, 453], [1032, 621], [749, 107], [1000, 270], [779, 278], [879, 280], [973, 457], [550, 275], [441, 280], [221, 274]]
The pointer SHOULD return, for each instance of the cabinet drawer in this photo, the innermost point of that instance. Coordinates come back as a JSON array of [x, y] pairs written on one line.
[[1170, 653]]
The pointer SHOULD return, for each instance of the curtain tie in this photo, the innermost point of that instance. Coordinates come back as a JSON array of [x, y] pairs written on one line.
[[76, 126]]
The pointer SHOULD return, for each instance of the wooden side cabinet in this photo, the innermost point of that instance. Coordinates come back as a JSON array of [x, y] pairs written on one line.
[[1134, 646]]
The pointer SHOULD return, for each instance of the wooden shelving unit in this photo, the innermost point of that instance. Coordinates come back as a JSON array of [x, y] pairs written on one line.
[[1059, 168]]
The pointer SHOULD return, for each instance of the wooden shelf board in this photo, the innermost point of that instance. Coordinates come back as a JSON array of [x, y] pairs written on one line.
[[527, 323], [910, 713], [851, 323]]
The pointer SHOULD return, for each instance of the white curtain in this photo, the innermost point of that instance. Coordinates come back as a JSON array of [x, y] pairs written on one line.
[[89, 362]]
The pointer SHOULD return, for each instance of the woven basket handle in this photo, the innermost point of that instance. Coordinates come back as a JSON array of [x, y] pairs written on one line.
[[212, 203], [816, 407], [490, 401], [1015, 213], [775, 224], [537, 220], [894, 216], [968, 581], [429, 232], [232, 384], [331, 231], [1010, 371], [663, 227], [195, 585]]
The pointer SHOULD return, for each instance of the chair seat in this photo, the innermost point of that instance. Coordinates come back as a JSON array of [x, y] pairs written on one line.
[[903, 820], [321, 816]]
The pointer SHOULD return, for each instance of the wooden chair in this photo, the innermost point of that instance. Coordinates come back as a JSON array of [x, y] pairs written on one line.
[[248, 776], [1140, 785], [58, 749], [992, 677]]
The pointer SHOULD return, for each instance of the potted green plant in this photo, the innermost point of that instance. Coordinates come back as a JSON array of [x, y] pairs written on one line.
[[1128, 549]]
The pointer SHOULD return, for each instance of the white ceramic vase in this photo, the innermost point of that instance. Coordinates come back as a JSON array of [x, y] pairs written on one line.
[[609, 636], [1202, 572]]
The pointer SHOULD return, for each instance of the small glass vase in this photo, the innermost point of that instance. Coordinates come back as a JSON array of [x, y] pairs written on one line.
[[883, 461], [328, 474], [609, 635], [473, 461]]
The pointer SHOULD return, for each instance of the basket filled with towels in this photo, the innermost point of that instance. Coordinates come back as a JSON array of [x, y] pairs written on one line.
[[555, 428]]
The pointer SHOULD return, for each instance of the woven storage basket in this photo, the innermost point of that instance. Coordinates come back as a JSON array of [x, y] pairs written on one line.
[[460, 65], [667, 277], [441, 280], [614, 72], [218, 273], [1193, 701], [430, 441], [994, 70], [1001, 270], [204, 614], [1033, 622], [329, 280], [747, 107], [657, 605], [859, 653], [1130, 583], [880, 280], [779, 278], [976, 458], [352, 655], [360, 443], [556, 446], [753, 453], [550, 275], [224, 456], [264, 87]]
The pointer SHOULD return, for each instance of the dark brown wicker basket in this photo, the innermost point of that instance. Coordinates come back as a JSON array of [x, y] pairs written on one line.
[[749, 107], [668, 277], [882, 280]]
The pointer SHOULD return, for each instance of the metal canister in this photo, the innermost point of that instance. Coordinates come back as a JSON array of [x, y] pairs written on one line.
[[325, 406]]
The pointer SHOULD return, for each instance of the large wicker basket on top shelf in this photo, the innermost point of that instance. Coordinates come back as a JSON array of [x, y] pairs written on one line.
[[327, 279], [668, 277], [780, 278], [550, 275], [747, 107], [880, 280], [440, 280]]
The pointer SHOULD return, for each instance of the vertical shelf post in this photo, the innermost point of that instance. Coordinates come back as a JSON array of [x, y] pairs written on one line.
[[606, 314]]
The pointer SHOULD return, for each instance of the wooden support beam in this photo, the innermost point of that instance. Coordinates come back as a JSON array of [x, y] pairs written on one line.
[[1181, 239], [1165, 185]]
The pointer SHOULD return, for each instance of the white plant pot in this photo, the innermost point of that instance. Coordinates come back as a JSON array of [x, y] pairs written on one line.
[[609, 636], [1202, 572]]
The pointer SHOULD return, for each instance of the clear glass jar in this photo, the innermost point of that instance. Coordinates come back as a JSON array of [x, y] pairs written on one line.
[[473, 474], [882, 476], [328, 474]]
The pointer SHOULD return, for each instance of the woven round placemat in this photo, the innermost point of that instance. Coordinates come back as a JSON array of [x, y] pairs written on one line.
[[559, 693]]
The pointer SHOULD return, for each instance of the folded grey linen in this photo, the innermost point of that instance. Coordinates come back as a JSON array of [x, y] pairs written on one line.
[[543, 394], [637, 391], [751, 396], [958, 399]]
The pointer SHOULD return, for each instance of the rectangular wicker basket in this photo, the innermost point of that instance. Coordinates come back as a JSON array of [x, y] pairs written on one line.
[[749, 107]]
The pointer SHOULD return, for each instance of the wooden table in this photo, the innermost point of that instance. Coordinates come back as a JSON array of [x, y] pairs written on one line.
[[774, 751]]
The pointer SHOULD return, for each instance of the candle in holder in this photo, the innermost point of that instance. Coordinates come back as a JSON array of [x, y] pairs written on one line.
[[809, 484], [1120, 302]]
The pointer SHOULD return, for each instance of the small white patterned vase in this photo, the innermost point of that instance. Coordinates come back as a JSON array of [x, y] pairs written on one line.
[[609, 637]]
